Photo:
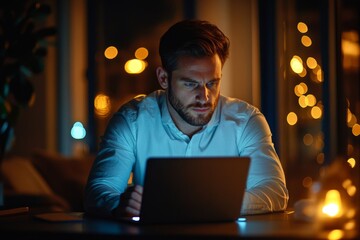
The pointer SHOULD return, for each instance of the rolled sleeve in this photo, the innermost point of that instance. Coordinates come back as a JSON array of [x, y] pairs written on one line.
[[111, 170], [266, 186]]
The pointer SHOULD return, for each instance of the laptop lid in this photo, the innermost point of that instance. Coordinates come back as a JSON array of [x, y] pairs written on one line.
[[193, 189]]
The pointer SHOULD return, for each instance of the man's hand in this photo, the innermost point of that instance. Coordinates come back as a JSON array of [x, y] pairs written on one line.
[[130, 202]]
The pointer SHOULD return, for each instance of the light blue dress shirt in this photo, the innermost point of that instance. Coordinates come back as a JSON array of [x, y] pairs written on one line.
[[143, 128]]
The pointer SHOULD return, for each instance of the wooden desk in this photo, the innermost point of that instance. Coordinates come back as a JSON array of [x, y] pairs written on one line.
[[267, 226]]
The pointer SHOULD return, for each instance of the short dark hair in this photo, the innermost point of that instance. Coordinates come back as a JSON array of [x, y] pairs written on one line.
[[195, 38]]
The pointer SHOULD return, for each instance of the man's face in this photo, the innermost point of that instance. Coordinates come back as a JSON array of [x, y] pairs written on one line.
[[194, 89]]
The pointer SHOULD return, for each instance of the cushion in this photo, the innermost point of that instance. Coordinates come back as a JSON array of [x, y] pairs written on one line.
[[25, 186], [66, 176], [23, 178]]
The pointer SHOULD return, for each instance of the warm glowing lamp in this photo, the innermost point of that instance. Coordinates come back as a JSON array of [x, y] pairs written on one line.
[[336, 202], [332, 205], [333, 210]]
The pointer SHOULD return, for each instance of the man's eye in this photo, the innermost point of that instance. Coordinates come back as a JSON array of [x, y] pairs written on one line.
[[190, 84], [211, 84]]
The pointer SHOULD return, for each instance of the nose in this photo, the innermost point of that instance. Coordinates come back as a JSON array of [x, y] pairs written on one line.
[[203, 94]]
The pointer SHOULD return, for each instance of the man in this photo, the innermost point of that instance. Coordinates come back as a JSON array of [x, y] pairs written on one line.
[[188, 117]]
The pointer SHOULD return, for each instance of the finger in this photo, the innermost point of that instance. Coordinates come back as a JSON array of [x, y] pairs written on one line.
[[132, 211], [130, 208], [138, 189], [134, 204], [136, 197], [137, 193]]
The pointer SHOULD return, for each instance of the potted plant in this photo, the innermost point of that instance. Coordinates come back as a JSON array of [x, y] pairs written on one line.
[[22, 52]]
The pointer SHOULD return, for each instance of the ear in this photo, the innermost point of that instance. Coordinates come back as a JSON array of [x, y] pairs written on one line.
[[162, 77]]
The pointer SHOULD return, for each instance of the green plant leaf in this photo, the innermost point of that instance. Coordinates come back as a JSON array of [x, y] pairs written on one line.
[[22, 90]]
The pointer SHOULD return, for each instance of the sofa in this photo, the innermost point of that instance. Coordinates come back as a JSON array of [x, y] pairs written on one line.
[[45, 182]]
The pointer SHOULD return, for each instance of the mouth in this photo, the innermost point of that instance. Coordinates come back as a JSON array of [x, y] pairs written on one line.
[[201, 109]]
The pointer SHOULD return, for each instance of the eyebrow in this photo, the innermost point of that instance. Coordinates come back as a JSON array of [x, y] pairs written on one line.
[[193, 80]]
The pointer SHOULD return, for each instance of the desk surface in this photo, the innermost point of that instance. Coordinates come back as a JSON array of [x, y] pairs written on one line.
[[267, 226]]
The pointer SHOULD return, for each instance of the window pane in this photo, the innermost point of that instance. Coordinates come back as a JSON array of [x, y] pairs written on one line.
[[350, 75], [302, 102], [320, 100]]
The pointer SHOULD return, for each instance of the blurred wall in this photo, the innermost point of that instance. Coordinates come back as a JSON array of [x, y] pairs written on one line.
[[239, 21]]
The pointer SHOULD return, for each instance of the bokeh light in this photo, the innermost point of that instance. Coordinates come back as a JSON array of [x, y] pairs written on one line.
[[356, 130], [296, 64], [300, 89], [141, 53], [307, 182], [352, 162], [311, 62], [351, 119], [292, 118], [78, 131], [306, 41], [102, 105], [311, 100], [308, 139], [111, 52], [302, 27], [316, 112], [319, 74], [303, 101], [135, 66], [335, 234]]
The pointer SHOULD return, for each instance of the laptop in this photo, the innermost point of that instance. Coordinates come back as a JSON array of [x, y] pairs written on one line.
[[193, 189]]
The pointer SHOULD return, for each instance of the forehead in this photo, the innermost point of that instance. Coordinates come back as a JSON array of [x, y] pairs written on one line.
[[199, 64]]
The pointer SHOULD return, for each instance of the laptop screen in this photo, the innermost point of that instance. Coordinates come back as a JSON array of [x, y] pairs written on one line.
[[193, 189]]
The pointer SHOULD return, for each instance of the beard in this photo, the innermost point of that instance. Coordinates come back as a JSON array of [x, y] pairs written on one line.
[[185, 111]]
